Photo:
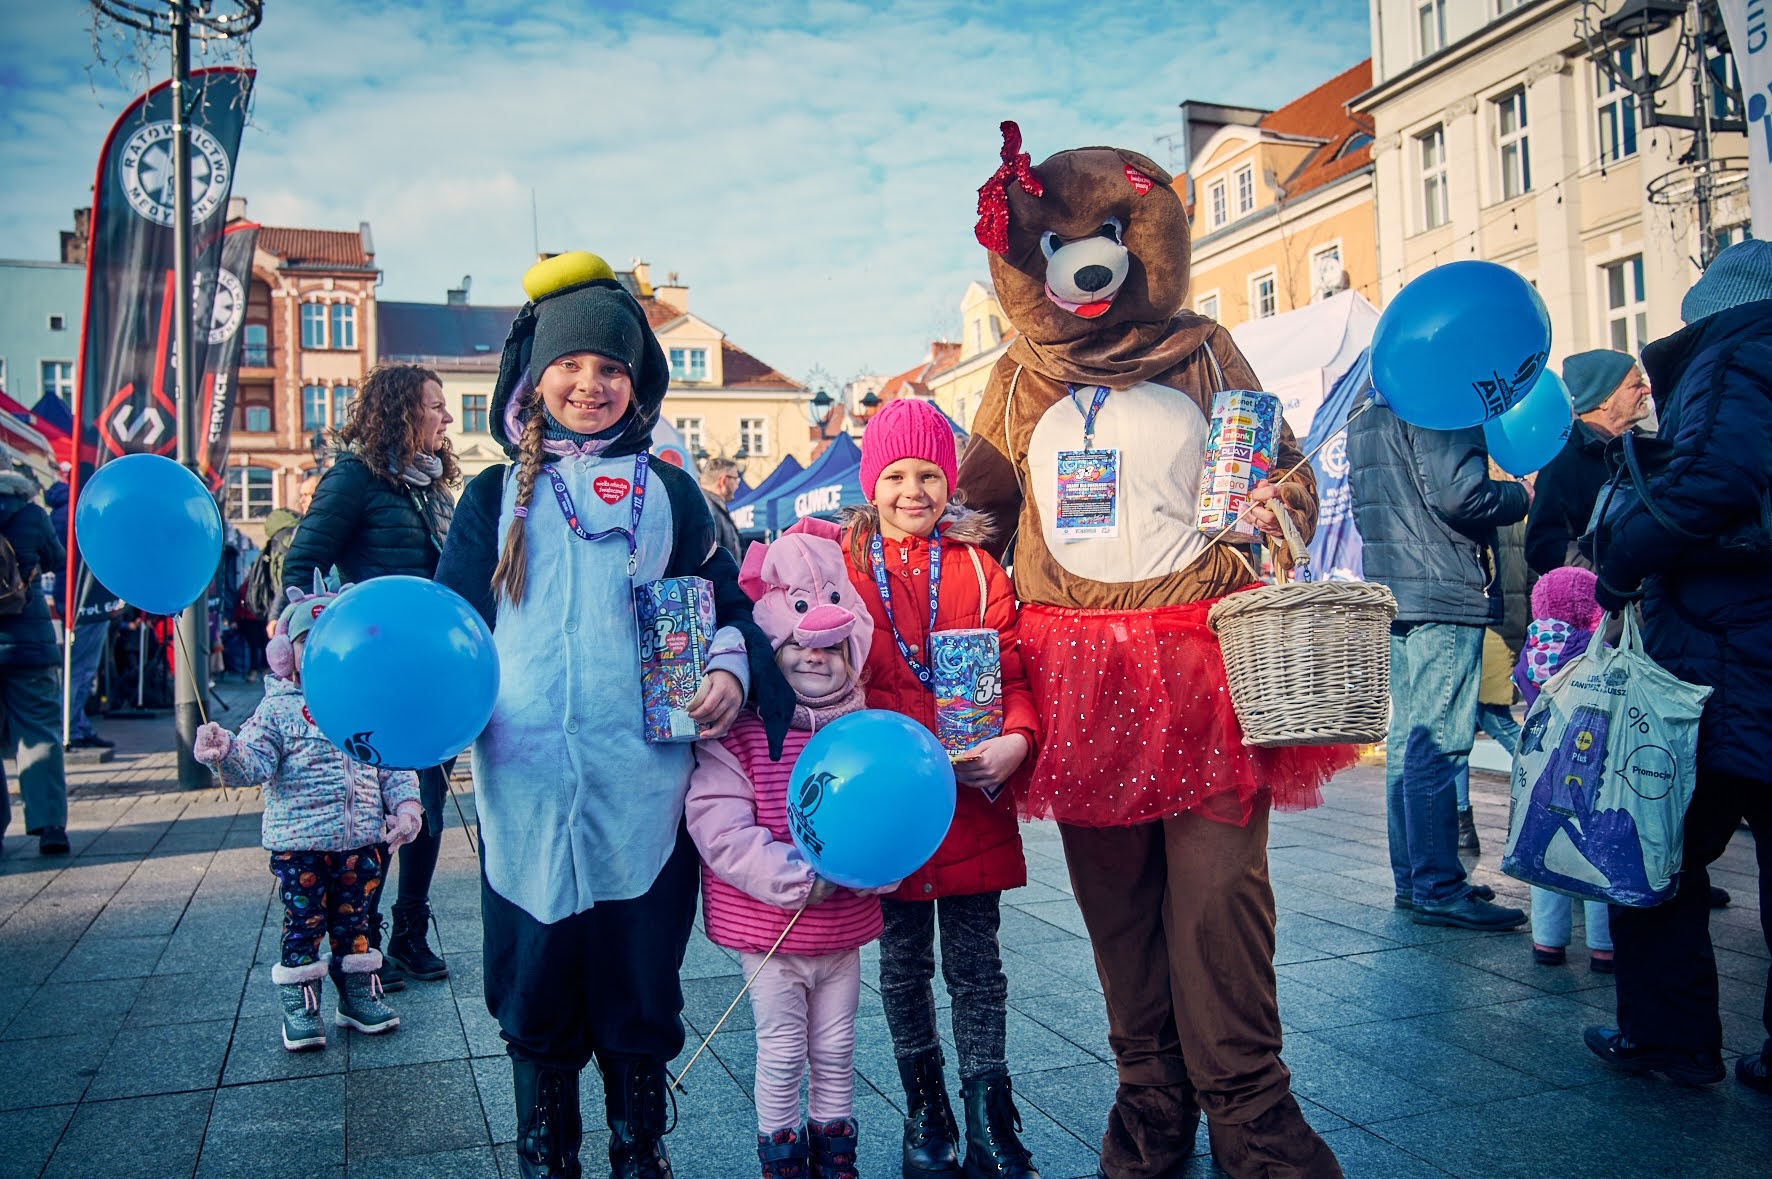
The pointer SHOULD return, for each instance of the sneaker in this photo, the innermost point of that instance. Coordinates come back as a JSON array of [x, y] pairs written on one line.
[[1481, 891], [1752, 1072], [1468, 912], [1549, 955], [1467, 834], [52, 841], [91, 741], [1601, 965], [1621, 1052], [1719, 897]]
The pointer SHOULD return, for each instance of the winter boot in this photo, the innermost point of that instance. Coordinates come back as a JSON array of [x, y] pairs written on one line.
[[299, 990], [634, 1099], [549, 1128], [359, 996], [407, 951], [833, 1148], [783, 1154], [930, 1135], [1467, 834], [993, 1148]]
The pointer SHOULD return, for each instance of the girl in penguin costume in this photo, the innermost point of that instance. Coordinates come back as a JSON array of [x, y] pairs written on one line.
[[589, 878]]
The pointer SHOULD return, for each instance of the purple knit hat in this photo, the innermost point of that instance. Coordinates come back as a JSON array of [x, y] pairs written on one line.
[[907, 428]]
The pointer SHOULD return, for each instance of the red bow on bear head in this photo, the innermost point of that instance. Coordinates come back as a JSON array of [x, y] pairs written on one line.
[[992, 229]]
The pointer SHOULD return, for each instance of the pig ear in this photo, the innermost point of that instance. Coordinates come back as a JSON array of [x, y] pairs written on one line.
[[813, 526], [750, 574]]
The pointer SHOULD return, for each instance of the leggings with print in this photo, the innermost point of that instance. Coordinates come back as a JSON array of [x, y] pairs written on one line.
[[327, 894]]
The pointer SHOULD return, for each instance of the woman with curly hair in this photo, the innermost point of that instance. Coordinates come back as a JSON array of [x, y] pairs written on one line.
[[384, 508]]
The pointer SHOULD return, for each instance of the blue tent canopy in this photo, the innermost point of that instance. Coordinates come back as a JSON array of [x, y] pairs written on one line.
[[1335, 550], [744, 505], [829, 485]]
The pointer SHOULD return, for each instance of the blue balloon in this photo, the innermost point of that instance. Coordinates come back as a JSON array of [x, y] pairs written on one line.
[[150, 532], [1529, 435], [871, 798], [1459, 345], [400, 672]]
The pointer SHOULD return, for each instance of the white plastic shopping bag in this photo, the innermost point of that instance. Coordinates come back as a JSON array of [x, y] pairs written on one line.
[[1603, 775]]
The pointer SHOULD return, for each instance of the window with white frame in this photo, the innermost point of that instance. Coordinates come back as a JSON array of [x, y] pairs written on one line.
[[58, 323], [1430, 26], [1215, 200], [1326, 270], [1725, 79], [342, 396], [251, 493], [691, 429], [2, 373], [1436, 207], [960, 407], [1627, 310], [344, 325], [1725, 237], [1262, 295], [1207, 305], [1514, 163], [473, 413], [1503, 7], [753, 436], [1616, 109], [58, 378], [313, 407], [689, 364], [1245, 178], [313, 325], [258, 419]]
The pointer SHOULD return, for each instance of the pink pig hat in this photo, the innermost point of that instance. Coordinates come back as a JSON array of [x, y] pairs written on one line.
[[800, 585]]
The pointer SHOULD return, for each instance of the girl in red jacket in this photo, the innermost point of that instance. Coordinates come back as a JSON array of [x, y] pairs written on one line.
[[912, 556]]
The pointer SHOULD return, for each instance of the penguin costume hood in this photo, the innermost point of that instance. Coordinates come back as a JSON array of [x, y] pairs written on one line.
[[577, 305]]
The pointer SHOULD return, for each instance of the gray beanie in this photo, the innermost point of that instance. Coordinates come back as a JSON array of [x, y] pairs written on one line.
[[1740, 274], [597, 317], [1594, 376]]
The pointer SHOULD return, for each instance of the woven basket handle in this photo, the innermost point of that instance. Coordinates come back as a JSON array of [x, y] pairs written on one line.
[[1301, 553]]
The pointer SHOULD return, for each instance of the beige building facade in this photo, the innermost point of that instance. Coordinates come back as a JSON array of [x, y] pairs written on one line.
[[956, 385], [1497, 138]]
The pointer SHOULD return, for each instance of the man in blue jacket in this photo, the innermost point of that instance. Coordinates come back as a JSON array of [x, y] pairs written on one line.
[[1427, 512], [1698, 555]]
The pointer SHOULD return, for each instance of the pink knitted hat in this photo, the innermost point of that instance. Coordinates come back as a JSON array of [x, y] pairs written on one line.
[[907, 428], [1567, 595]]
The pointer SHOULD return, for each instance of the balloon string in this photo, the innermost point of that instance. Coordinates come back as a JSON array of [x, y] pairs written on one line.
[[677, 1082], [190, 670], [449, 784], [1253, 504]]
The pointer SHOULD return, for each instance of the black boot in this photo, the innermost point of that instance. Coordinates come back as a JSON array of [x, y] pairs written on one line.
[[634, 1097], [930, 1134], [392, 977], [549, 1128], [1468, 841], [406, 945], [993, 1126]]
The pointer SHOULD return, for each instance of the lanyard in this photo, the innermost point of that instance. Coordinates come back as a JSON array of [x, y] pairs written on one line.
[[924, 675], [632, 533], [1101, 396]]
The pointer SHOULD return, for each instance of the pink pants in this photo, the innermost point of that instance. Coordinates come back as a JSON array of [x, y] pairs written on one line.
[[805, 1012]]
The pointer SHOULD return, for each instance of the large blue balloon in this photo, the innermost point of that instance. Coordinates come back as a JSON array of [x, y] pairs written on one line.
[[871, 798], [400, 672], [1460, 345], [1529, 435], [150, 532]]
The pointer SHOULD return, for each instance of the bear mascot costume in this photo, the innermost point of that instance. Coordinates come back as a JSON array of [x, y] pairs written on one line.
[[1163, 810]]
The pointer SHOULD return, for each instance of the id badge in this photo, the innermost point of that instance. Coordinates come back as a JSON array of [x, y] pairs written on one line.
[[1088, 494]]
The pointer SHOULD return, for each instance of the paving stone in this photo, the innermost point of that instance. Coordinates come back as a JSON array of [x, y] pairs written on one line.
[[256, 1052], [1366, 1156], [30, 1135], [1022, 929], [119, 957], [150, 1137], [177, 998], [49, 1071], [414, 1108], [1079, 1016], [476, 1163], [60, 1008], [1353, 1086], [174, 1058], [430, 1029], [280, 1130]]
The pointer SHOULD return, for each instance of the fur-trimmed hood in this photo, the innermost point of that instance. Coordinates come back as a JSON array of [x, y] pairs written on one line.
[[958, 523]]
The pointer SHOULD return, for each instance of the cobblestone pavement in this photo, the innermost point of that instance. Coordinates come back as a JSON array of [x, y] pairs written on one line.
[[138, 1026]]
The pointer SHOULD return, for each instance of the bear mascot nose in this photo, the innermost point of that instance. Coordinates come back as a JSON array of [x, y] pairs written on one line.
[[1092, 278]]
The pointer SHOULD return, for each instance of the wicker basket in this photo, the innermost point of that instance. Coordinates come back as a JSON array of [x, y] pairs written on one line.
[[1308, 662]]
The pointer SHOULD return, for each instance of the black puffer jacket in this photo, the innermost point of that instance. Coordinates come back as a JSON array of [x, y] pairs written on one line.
[[1565, 492], [1427, 512], [368, 527], [1707, 605], [27, 639]]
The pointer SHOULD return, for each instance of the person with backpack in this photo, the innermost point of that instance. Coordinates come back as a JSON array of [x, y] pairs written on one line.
[[30, 660], [261, 592], [384, 509], [92, 619]]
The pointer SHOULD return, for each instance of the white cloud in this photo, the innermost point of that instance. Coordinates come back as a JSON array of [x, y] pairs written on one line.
[[808, 168]]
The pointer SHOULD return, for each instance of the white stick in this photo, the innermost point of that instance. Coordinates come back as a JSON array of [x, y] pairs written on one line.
[[678, 1082]]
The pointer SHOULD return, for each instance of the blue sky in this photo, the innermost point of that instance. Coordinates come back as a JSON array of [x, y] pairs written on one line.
[[809, 169]]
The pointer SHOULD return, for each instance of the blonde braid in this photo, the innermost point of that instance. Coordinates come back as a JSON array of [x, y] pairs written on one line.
[[512, 575]]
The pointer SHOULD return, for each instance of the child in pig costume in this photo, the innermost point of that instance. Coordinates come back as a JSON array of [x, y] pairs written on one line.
[[754, 879]]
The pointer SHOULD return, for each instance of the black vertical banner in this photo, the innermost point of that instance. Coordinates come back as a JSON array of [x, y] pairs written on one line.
[[125, 395], [221, 304]]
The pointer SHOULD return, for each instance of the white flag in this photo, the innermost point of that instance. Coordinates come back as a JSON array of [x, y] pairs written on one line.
[[1749, 23]]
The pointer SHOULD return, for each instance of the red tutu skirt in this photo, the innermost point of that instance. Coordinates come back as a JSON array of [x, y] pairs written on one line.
[[1139, 724]]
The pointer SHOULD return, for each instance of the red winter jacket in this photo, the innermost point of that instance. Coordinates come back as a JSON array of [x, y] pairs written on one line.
[[982, 851]]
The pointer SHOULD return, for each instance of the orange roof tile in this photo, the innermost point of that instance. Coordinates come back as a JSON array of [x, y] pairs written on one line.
[[745, 371], [316, 248], [658, 312], [1322, 114]]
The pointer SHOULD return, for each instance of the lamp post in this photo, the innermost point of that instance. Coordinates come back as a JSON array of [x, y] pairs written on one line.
[[1620, 45]]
